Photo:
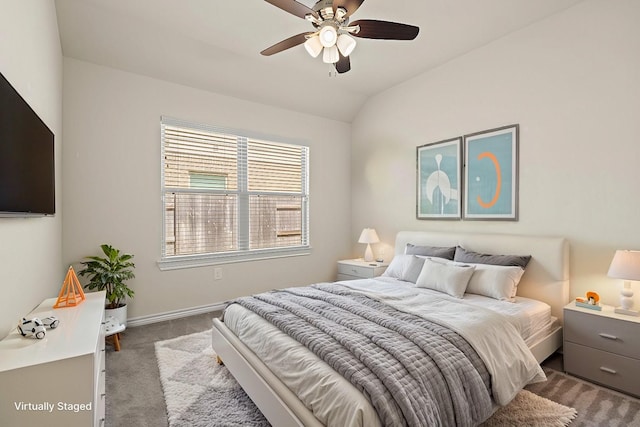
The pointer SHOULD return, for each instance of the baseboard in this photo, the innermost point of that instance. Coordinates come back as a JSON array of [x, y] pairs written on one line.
[[177, 314]]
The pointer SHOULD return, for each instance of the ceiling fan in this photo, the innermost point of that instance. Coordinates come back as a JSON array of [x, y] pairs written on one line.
[[333, 31]]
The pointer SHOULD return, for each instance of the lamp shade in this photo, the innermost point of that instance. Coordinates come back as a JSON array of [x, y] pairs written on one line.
[[346, 44], [313, 46], [625, 265], [330, 55], [368, 235]]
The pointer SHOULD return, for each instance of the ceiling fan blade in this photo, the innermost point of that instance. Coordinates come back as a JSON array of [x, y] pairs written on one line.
[[349, 5], [372, 29], [286, 44], [343, 65], [293, 7]]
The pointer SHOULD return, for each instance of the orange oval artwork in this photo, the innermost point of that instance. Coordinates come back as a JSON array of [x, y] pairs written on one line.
[[496, 164]]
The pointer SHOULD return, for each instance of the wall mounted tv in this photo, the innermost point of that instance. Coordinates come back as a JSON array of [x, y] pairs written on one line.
[[27, 159]]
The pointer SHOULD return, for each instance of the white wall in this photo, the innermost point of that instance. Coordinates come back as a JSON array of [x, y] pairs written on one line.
[[572, 82], [112, 184], [31, 249]]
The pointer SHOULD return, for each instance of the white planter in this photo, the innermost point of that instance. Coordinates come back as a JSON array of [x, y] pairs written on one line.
[[120, 314]]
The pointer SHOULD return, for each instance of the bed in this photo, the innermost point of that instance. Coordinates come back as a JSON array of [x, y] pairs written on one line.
[[247, 354]]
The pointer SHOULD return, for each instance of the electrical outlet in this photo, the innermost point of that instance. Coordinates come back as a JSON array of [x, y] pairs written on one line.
[[217, 273]]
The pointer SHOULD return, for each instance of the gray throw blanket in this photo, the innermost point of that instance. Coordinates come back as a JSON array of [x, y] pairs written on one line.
[[413, 371]]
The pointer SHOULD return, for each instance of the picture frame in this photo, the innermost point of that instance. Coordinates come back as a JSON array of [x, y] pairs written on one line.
[[439, 180], [491, 174]]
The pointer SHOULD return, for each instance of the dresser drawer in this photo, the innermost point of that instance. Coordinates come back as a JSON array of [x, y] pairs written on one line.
[[356, 270], [604, 333], [611, 370]]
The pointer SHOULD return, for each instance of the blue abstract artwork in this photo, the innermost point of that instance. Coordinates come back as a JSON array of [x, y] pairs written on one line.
[[491, 174], [439, 179]]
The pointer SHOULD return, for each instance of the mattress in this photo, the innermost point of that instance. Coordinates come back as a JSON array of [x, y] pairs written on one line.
[[527, 315], [331, 398]]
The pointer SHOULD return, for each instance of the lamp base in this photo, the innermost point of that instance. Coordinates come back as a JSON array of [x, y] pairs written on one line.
[[626, 301], [368, 254], [621, 310]]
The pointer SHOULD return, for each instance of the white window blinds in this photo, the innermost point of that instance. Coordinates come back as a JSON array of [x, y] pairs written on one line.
[[231, 196]]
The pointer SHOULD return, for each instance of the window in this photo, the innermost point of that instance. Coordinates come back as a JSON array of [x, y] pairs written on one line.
[[230, 196]]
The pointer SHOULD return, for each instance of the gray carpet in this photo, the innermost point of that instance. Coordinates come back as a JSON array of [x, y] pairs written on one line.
[[135, 397], [134, 394]]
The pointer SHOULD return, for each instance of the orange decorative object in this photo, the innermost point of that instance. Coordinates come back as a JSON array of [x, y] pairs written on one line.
[[595, 296], [71, 293]]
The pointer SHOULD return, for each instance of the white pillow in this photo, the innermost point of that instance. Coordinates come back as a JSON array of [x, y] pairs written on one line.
[[495, 281], [397, 266], [449, 278], [404, 267]]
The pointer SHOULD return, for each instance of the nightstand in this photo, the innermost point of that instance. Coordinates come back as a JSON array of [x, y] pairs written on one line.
[[603, 347], [351, 269]]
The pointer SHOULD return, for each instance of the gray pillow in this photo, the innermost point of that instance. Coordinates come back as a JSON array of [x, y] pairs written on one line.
[[464, 255], [436, 251], [413, 269]]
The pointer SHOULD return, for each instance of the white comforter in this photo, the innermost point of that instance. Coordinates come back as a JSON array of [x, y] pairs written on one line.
[[334, 401]]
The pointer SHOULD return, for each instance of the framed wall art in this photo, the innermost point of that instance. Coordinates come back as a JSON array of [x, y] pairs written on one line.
[[439, 180], [491, 174]]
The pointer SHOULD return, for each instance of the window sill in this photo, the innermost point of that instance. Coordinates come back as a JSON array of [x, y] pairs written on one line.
[[193, 261]]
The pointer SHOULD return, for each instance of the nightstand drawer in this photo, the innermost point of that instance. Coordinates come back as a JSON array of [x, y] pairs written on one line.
[[608, 334], [356, 270], [611, 370]]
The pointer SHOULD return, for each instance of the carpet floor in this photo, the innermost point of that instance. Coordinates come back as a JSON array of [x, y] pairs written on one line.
[[199, 392]]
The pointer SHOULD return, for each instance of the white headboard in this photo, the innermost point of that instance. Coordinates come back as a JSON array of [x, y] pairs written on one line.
[[546, 277]]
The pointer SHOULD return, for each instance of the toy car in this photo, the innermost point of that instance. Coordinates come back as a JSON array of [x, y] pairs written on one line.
[[50, 322], [32, 328]]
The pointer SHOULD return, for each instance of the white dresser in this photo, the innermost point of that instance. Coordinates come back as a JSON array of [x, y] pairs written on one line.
[[603, 346], [59, 380], [350, 269]]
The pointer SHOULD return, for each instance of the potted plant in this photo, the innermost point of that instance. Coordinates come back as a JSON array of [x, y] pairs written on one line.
[[109, 274]]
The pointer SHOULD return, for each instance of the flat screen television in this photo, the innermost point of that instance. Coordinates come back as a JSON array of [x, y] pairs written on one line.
[[27, 159]]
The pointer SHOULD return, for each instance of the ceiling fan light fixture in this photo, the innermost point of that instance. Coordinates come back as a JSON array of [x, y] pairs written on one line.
[[330, 55], [346, 44], [328, 36], [333, 30], [313, 46]]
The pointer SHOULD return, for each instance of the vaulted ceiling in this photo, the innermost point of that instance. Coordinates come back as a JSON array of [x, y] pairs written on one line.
[[215, 45]]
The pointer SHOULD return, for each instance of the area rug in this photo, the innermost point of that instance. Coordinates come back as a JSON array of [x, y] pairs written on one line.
[[528, 409], [199, 392], [597, 406]]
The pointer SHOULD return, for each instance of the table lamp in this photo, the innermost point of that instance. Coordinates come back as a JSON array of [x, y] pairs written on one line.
[[368, 236], [626, 265]]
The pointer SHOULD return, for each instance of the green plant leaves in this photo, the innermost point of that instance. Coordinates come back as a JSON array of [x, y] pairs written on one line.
[[109, 274]]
